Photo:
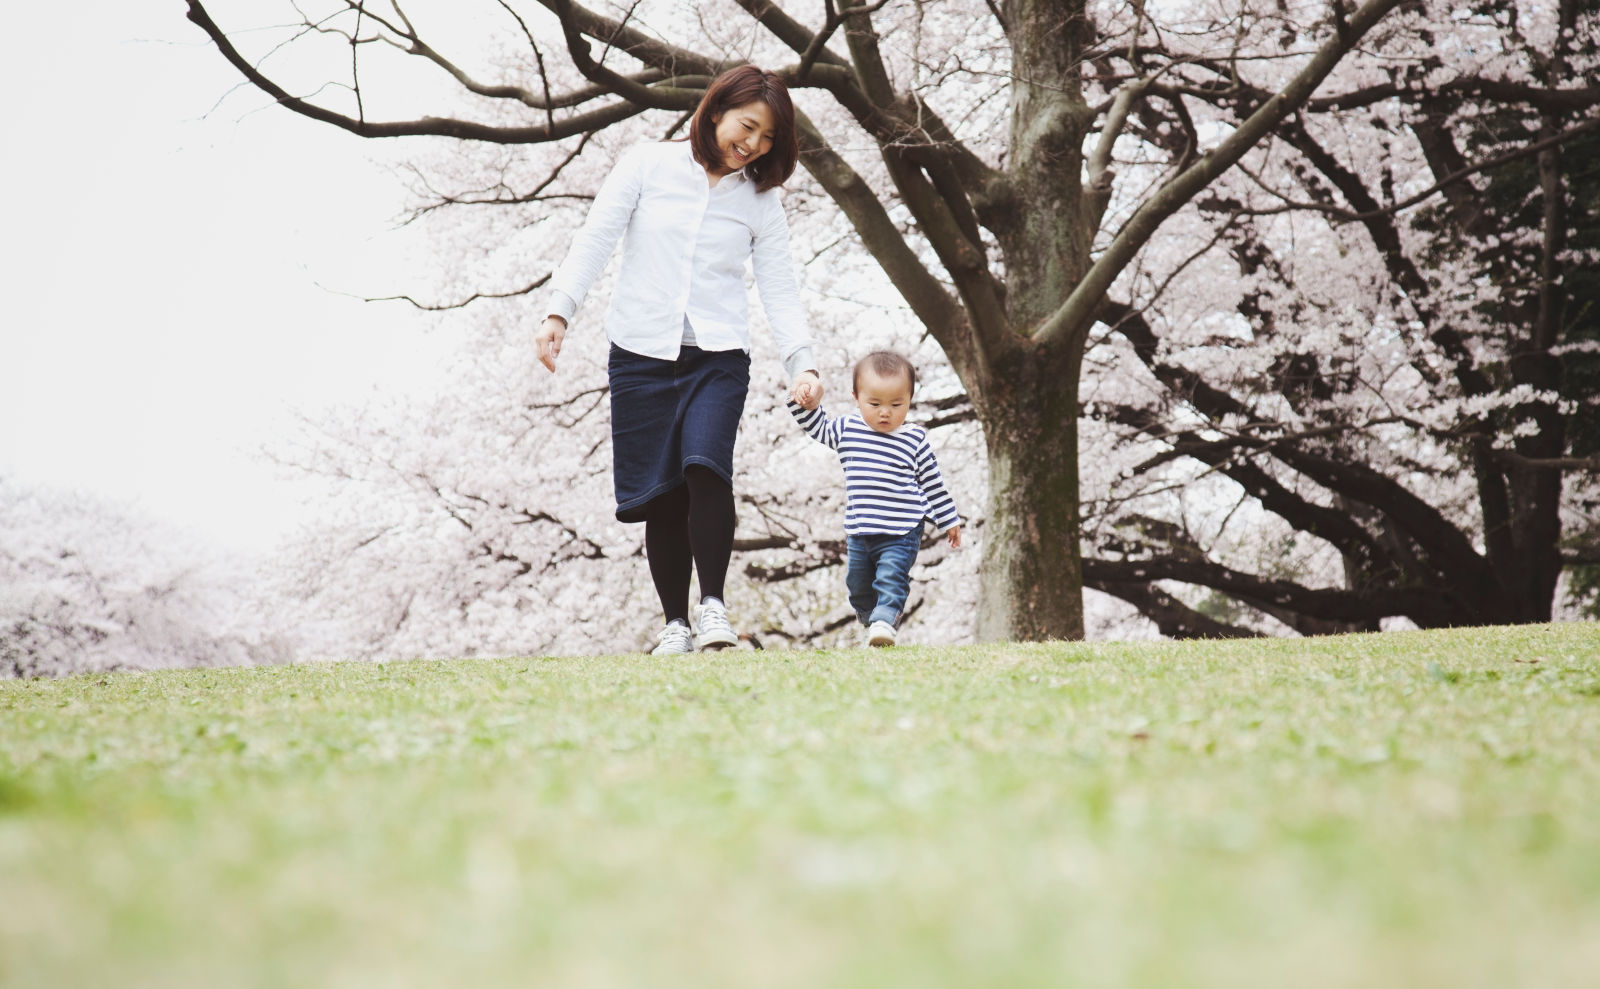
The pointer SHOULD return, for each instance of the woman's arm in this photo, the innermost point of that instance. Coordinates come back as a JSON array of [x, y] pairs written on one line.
[[602, 228], [591, 246], [780, 292]]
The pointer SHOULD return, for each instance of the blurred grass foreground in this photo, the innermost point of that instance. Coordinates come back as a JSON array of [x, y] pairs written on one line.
[[1409, 809]]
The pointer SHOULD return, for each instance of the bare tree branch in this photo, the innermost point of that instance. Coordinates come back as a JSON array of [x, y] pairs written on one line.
[[435, 126], [1425, 606], [463, 303], [1172, 617]]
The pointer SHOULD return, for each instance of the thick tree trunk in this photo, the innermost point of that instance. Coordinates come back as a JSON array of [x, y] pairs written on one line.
[[1532, 566], [1032, 562], [1026, 394], [1524, 544]]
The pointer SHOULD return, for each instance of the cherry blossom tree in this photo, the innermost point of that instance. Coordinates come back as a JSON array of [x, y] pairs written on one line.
[[1385, 372], [87, 586], [1280, 256], [973, 157]]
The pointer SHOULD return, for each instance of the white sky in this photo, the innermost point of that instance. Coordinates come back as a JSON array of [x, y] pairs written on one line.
[[163, 255]]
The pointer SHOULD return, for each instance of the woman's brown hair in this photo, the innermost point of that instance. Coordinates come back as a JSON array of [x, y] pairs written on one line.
[[736, 88]]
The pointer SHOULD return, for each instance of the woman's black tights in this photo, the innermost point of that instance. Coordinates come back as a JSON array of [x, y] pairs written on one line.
[[691, 525]]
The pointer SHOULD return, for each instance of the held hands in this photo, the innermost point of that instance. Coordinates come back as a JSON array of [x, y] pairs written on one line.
[[547, 341], [807, 390], [954, 535]]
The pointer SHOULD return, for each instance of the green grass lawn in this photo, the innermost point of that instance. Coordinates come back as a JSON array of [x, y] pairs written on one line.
[[1417, 809]]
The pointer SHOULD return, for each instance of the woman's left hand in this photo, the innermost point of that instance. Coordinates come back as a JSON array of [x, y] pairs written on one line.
[[807, 390]]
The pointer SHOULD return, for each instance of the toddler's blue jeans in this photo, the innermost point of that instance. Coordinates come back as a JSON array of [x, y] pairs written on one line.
[[879, 574]]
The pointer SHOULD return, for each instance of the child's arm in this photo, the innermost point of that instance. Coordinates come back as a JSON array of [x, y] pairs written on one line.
[[941, 507], [820, 426]]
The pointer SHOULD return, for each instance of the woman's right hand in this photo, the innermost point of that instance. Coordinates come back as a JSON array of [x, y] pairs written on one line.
[[807, 390], [547, 340]]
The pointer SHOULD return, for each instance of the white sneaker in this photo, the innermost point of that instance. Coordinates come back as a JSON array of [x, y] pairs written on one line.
[[711, 618], [880, 634], [673, 640]]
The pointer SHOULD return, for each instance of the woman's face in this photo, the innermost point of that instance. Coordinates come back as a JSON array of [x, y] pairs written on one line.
[[744, 134]]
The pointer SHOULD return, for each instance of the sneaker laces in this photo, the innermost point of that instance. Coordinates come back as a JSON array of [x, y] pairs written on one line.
[[714, 619], [675, 633]]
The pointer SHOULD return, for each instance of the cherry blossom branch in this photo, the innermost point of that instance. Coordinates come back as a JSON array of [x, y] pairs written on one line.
[[1344, 215], [442, 200], [1516, 459], [355, 68], [1074, 317], [1448, 548], [819, 43], [1176, 542], [591, 550], [1402, 268], [538, 59], [1549, 99], [833, 556], [812, 48], [1173, 618], [930, 188], [661, 97], [1428, 608], [891, 120], [928, 298], [1555, 100], [1098, 166], [652, 51], [1331, 525]]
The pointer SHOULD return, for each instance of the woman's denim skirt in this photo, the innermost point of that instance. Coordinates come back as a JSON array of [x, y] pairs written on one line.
[[666, 415]]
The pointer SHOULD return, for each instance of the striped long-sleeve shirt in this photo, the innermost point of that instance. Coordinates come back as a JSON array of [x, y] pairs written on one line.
[[891, 480]]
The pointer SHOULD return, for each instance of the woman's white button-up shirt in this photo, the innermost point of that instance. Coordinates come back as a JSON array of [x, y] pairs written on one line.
[[684, 248]]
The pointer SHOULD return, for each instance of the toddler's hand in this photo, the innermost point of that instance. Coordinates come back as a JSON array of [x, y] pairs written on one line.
[[954, 536], [807, 390]]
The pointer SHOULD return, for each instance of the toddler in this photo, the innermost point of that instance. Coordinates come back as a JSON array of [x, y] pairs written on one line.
[[891, 484]]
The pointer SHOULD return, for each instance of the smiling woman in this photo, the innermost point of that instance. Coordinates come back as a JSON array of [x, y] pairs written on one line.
[[689, 215], [737, 126], [742, 135]]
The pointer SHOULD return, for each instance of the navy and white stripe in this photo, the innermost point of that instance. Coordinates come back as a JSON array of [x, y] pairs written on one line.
[[891, 480]]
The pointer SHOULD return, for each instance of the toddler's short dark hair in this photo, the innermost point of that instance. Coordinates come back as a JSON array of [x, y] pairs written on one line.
[[885, 364]]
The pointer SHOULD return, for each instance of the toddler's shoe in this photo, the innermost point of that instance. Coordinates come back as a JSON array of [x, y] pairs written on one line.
[[673, 640], [880, 634], [711, 618]]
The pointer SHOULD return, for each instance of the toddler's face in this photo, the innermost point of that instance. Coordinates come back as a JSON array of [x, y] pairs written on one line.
[[883, 402]]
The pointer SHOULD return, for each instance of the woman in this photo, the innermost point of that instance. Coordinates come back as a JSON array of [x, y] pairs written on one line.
[[689, 214]]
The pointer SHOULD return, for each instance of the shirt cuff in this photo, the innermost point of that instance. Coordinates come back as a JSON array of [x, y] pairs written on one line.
[[561, 304], [800, 360]]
